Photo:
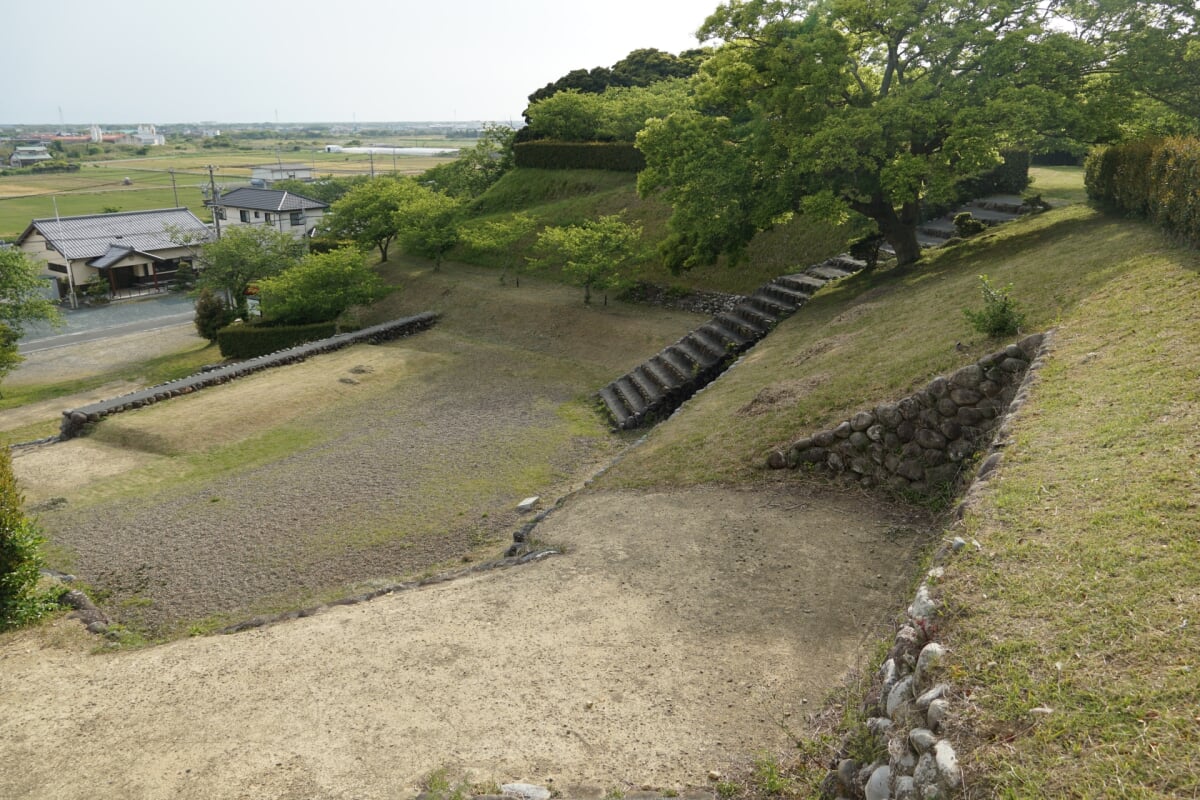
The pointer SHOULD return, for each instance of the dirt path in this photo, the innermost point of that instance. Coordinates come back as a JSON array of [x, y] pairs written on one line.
[[681, 632]]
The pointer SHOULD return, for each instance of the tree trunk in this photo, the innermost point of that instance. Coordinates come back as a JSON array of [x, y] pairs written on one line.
[[899, 229]]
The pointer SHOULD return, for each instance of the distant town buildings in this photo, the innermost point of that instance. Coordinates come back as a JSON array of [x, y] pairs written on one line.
[[265, 174], [28, 155]]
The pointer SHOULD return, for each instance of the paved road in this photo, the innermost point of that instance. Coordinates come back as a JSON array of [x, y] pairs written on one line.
[[117, 319]]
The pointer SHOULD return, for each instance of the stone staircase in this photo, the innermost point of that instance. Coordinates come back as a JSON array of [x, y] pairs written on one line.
[[991, 210], [654, 389]]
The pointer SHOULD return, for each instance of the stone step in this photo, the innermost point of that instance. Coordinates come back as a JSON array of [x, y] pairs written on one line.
[[802, 283], [926, 241], [630, 395], [617, 408], [698, 354], [942, 228], [771, 305], [679, 363], [647, 386], [1007, 203], [784, 294], [749, 312], [749, 325], [847, 262], [990, 216], [663, 375], [730, 335], [710, 342], [828, 271]]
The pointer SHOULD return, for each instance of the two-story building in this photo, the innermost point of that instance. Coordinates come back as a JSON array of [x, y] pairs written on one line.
[[265, 174], [129, 253], [285, 211]]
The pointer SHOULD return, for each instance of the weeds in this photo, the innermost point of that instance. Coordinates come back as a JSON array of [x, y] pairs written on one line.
[[999, 317]]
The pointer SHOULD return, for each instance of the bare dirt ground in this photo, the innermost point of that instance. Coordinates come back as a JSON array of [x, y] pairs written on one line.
[[680, 632]]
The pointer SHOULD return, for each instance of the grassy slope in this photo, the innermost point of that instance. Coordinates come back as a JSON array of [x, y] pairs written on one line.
[[1084, 598], [570, 197]]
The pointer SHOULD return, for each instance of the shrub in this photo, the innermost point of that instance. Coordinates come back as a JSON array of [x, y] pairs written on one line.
[[966, 225], [1157, 179], [20, 556], [251, 341], [212, 314], [999, 317]]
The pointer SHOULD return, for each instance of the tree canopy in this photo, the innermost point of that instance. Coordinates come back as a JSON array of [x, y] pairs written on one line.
[[367, 213], [320, 287], [837, 106], [243, 255], [477, 168], [593, 254], [640, 68], [22, 300], [616, 114], [428, 223]]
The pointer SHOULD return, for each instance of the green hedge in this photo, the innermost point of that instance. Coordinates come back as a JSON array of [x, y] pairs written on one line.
[[251, 341], [614, 156], [1157, 179]]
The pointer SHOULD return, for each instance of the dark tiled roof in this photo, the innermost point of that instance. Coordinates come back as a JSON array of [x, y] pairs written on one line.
[[93, 235], [268, 200]]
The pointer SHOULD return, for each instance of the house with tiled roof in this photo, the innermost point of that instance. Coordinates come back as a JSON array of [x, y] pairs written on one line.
[[129, 253], [287, 212]]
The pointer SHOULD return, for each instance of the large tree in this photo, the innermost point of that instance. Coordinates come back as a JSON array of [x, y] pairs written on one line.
[[842, 105], [243, 255]]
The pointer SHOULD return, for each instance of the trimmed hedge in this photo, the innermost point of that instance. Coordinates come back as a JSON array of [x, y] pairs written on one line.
[[251, 341], [613, 156], [1157, 179]]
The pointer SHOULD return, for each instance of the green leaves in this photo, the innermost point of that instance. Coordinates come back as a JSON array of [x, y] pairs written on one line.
[[594, 253], [243, 255], [320, 287]]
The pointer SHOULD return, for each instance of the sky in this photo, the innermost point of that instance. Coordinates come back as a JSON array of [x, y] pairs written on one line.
[[165, 61]]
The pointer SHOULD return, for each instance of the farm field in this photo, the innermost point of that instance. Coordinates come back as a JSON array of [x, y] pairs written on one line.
[[99, 184]]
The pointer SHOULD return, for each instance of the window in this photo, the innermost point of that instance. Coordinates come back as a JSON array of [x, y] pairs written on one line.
[[256, 215], [268, 216], [244, 215], [220, 213], [297, 219]]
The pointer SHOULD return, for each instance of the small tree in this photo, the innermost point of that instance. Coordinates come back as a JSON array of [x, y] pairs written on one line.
[[428, 224], [500, 236], [22, 300], [20, 556], [367, 213], [594, 253], [320, 288], [243, 255], [212, 314], [999, 316]]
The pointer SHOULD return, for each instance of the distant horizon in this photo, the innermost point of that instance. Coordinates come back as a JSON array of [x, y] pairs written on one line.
[[269, 124]]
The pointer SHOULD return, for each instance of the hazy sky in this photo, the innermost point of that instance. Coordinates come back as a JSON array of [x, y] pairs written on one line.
[[164, 61]]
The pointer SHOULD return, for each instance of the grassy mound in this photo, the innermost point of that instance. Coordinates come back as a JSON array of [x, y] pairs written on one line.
[[1072, 632]]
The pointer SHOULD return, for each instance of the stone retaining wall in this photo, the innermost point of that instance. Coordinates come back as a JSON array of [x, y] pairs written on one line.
[[75, 419], [908, 706], [920, 443]]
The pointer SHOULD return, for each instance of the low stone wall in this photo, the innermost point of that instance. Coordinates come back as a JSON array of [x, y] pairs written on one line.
[[920, 443], [908, 706], [75, 419]]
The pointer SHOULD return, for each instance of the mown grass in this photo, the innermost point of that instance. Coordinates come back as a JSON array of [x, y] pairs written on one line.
[[1085, 598], [873, 338]]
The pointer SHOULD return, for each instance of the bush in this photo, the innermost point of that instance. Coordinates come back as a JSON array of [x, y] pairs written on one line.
[[20, 556], [1157, 179], [212, 314], [999, 317], [251, 341], [966, 225]]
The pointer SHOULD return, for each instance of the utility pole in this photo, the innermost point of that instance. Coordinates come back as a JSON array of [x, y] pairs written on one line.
[[174, 189], [371, 153], [212, 186]]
